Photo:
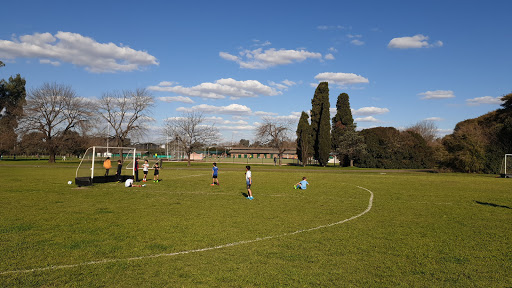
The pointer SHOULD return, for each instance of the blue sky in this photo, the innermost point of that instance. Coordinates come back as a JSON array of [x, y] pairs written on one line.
[[401, 62]]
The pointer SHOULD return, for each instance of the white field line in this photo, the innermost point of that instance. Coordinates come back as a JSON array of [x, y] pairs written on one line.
[[368, 208]]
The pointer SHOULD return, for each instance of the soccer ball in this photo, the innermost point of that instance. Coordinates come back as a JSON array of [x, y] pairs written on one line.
[[69, 182]]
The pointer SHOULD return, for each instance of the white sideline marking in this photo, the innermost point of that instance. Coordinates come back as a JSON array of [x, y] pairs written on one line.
[[370, 203]]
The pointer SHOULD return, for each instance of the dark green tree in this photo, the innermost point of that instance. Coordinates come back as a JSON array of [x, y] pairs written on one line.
[[507, 102], [243, 143], [304, 140], [320, 124], [12, 100], [387, 147], [350, 146], [342, 123]]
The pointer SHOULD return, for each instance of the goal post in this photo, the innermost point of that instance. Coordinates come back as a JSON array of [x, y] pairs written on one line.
[[91, 170], [506, 166]]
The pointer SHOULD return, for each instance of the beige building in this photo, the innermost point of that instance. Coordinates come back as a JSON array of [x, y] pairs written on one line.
[[267, 153]]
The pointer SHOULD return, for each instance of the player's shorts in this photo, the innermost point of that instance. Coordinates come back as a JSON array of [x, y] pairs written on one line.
[[248, 184], [214, 176], [145, 172], [157, 172]]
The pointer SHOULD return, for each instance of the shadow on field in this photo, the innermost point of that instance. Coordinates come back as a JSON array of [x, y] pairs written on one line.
[[245, 194], [492, 204]]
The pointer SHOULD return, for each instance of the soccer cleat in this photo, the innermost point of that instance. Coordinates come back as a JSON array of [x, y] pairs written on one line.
[[143, 185], [212, 184]]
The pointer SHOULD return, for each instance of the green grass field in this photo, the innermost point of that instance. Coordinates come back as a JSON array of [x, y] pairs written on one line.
[[419, 229]]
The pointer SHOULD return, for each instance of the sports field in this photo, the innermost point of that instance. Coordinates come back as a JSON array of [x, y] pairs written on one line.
[[350, 228]]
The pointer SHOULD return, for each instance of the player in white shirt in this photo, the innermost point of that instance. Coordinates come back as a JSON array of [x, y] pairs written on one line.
[[248, 181], [145, 168], [129, 183]]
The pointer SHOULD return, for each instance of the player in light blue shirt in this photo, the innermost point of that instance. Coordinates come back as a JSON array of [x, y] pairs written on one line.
[[302, 184], [215, 172]]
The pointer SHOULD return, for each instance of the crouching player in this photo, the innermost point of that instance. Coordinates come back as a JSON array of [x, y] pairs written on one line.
[[302, 184]]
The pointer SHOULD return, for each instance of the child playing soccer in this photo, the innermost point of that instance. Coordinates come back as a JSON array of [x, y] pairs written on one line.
[[248, 181], [119, 168], [157, 173], [107, 165], [145, 168], [129, 183], [215, 171], [302, 184]]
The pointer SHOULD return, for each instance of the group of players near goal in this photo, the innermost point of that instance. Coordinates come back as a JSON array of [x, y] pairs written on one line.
[[215, 173]]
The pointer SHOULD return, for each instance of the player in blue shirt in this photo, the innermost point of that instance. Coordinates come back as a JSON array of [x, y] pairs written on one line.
[[302, 184], [215, 172]]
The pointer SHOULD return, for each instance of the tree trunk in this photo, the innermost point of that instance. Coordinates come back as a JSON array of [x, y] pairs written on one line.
[[52, 156], [351, 163], [188, 160]]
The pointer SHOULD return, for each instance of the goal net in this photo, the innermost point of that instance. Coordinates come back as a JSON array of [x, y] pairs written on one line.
[[506, 166], [92, 166]]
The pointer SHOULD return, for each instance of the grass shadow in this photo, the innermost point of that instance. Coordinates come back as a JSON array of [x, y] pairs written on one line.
[[492, 204]]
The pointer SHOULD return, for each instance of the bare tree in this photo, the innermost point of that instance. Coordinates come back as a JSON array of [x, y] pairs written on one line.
[[274, 133], [427, 129], [54, 109], [190, 132], [126, 112]]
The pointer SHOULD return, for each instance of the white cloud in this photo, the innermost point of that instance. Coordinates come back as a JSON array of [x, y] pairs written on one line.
[[365, 111], [329, 57], [484, 100], [332, 49], [213, 119], [288, 82], [259, 59], [258, 43], [263, 113], [283, 85], [278, 85], [239, 122], [232, 109], [435, 119], [357, 42], [330, 27], [366, 119], [416, 41], [438, 94], [443, 132], [166, 83], [78, 50], [229, 57], [222, 88], [236, 127], [176, 99], [47, 61], [341, 78]]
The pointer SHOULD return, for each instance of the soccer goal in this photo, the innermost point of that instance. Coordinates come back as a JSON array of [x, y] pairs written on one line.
[[506, 166], [91, 168]]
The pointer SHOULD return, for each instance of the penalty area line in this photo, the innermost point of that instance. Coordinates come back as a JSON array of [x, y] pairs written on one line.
[[105, 261]]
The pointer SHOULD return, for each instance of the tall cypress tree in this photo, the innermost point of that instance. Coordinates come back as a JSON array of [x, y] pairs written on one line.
[[342, 122], [304, 140], [320, 124]]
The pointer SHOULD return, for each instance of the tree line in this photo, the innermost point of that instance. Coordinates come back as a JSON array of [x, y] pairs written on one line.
[[476, 145], [53, 119]]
